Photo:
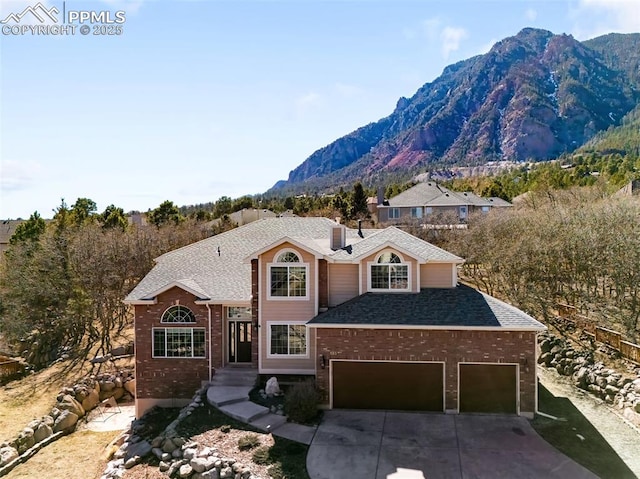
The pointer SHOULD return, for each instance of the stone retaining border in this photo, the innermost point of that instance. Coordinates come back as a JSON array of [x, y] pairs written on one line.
[[604, 383], [72, 404]]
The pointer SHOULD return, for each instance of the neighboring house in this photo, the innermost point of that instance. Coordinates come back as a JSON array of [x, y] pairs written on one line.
[[430, 203], [7, 228], [248, 215], [377, 317], [630, 189]]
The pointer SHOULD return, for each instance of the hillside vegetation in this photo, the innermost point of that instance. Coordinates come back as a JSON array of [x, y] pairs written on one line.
[[578, 246], [534, 96]]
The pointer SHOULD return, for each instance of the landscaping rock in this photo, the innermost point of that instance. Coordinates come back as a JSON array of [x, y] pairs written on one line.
[[42, 432], [185, 470], [68, 403], [91, 400], [66, 421], [25, 440], [7, 455], [272, 388]]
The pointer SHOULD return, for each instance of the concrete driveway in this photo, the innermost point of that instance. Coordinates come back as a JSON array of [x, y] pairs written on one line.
[[398, 445]]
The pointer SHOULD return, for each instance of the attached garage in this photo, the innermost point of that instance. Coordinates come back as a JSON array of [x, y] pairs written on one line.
[[404, 386], [488, 388]]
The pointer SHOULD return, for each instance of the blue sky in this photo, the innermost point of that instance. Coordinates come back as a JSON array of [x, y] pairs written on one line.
[[200, 99]]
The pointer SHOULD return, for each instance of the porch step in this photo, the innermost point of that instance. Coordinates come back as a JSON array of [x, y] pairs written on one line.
[[223, 395], [269, 422], [245, 377], [245, 411]]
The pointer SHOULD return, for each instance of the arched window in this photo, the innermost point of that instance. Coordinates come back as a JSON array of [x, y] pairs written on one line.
[[389, 273], [287, 257], [178, 314], [288, 276]]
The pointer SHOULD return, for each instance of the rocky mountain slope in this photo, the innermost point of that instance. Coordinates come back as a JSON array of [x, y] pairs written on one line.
[[533, 96]]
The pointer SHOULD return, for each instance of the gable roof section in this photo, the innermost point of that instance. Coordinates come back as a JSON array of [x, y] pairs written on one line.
[[449, 308], [188, 285], [218, 270], [419, 195], [393, 237], [431, 194]]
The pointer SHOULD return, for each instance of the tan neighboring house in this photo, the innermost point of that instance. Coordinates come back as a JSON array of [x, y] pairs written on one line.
[[376, 317], [7, 228], [431, 203], [630, 189]]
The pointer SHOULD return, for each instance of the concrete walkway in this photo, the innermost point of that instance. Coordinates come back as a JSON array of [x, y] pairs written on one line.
[[234, 402], [398, 445], [111, 419]]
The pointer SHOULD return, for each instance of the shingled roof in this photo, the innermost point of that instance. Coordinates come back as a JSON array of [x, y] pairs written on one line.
[[447, 308], [218, 269]]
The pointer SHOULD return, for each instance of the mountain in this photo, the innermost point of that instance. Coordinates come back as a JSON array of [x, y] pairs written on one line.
[[533, 96]]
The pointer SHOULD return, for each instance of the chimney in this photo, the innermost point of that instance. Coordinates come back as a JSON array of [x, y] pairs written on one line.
[[360, 229], [338, 237], [380, 195]]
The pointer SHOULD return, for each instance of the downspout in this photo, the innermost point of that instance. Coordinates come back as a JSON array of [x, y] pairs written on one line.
[[210, 341]]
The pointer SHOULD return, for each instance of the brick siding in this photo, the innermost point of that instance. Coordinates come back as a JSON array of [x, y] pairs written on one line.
[[452, 347], [166, 378]]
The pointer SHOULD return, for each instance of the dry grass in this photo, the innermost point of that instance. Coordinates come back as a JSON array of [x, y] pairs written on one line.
[[76, 456], [33, 396]]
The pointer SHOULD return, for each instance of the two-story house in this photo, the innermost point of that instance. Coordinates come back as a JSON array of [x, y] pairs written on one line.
[[376, 317], [431, 203]]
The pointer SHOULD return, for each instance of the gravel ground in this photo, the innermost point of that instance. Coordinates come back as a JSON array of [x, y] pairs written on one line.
[[622, 437]]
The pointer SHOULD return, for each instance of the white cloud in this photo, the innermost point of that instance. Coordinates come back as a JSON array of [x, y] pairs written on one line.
[[451, 38], [597, 17], [15, 176], [531, 14]]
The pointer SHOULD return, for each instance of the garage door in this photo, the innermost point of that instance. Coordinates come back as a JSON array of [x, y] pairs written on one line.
[[388, 385], [488, 388]]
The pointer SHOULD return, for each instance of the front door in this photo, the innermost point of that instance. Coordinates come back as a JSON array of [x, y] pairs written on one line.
[[239, 341]]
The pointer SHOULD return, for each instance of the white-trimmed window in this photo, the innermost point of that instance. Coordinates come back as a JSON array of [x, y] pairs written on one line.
[[288, 276], [394, 213], [178, 314], [416, 212], [389, 273], [239, 312], [287, 339], [428, 210], [178, 343]]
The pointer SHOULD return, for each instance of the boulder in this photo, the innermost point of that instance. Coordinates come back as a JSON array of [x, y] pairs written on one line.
[[91, 401], [107, 386], [66, 421], [211, 474], [168, 445], [68, 403], [185, 470], [272, 388], [545, 358], [139, 449], [25, 440], [42, 432], [8, 454], [201, 464], [130, 387]]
